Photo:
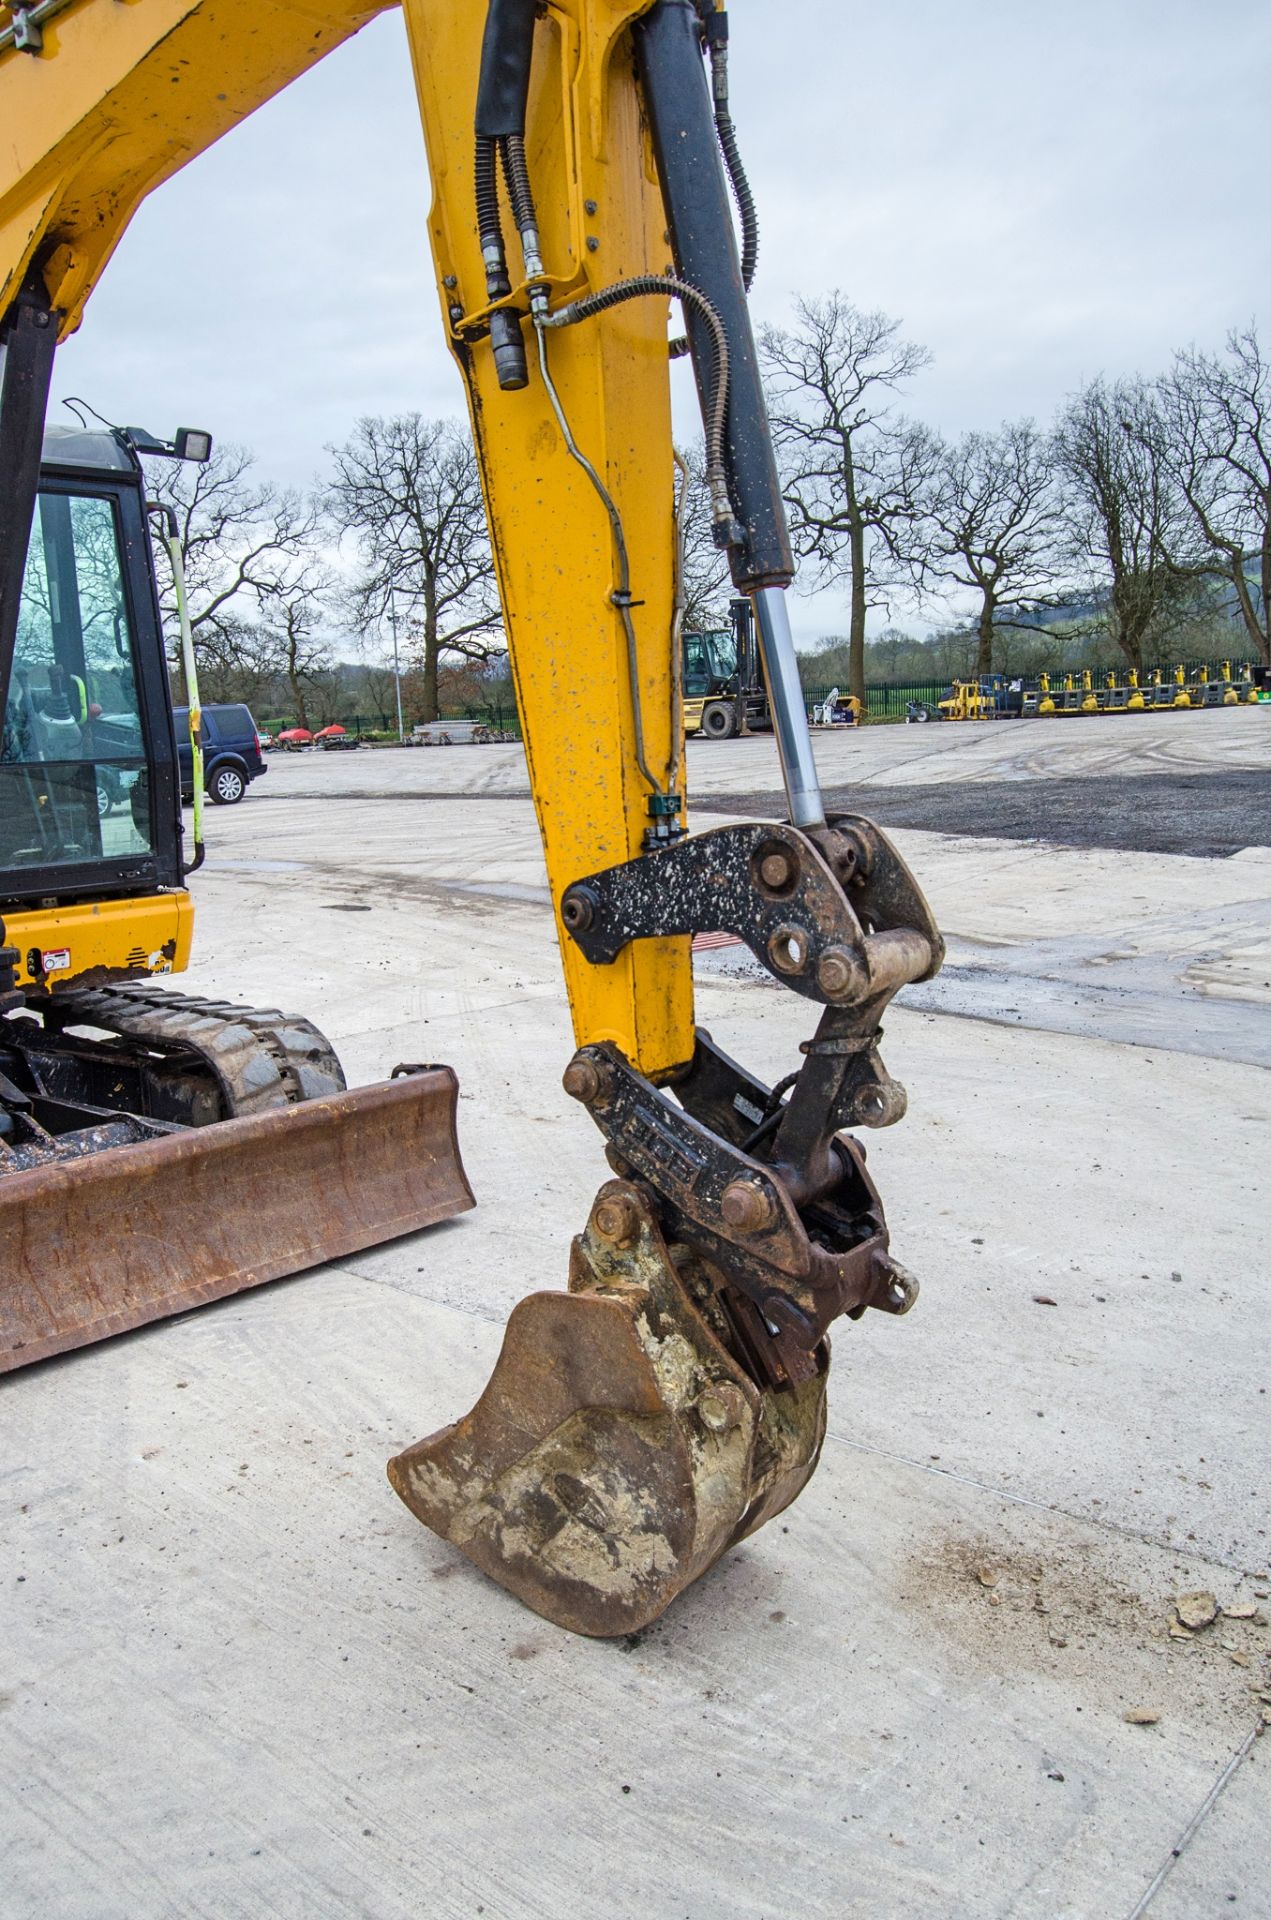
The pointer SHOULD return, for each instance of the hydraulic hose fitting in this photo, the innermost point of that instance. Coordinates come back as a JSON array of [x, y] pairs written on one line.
[[502, 91], [717, 41], [509, 350], [517, 174]]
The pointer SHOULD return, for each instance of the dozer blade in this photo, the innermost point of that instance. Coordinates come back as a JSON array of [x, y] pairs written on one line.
[[95, 1246], [619, 1448]]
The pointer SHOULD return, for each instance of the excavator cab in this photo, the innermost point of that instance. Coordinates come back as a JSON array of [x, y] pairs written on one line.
[[88, 771], [142, 1129]]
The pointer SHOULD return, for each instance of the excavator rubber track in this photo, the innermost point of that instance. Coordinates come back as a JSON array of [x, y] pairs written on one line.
[[261, 1058], [277, 1168]]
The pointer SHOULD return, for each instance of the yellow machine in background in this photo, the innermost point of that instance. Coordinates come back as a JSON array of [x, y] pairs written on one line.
[[674, 1398], [994, 698]]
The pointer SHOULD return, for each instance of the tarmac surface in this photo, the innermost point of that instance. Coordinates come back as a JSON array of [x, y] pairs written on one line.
[[1189, 783], [1205, 814], [237, 1678]]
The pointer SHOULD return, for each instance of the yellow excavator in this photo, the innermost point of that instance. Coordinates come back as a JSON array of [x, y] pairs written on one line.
[[582, 154]]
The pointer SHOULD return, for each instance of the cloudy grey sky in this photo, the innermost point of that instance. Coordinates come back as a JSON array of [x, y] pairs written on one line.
[[1038, 192]]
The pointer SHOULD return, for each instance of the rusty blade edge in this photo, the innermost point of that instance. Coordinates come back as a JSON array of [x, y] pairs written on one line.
[[134, 1234]]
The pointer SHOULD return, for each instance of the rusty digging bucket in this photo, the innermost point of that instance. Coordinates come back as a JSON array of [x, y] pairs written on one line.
[[132, 1234], [619, 1448]]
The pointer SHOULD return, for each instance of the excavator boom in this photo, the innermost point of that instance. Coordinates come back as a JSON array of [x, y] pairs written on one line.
[[581, 154]]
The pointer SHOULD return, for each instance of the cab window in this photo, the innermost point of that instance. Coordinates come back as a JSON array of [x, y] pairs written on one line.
[[72, 763], [697, 671]]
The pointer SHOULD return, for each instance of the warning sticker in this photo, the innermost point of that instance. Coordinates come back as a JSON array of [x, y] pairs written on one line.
[[55, 960]]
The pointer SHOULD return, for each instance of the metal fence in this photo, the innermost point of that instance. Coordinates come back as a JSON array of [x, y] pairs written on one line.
[[885, 699], [889, 699]]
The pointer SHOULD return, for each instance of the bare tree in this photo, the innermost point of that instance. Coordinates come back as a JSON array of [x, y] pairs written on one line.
[[852, 471], [408, 490], [241, 540], [1125, 519], [374, 679], [1216, 436], [293, 618], [706, 582], [992, 514]]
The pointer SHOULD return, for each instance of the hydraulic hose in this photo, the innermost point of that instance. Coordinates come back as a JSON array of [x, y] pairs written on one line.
[[517, 174], [715, 32], [502, 92], [657, 285], [505, 327], [489, 224], [717, 37]]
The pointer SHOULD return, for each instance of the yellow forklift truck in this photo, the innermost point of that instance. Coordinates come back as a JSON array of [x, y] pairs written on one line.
[[724, 691]]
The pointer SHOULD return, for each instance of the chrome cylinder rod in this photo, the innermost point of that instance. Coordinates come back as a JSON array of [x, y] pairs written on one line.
[[789, 715]]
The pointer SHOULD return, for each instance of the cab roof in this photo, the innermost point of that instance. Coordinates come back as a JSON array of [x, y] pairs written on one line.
[[87, 447]]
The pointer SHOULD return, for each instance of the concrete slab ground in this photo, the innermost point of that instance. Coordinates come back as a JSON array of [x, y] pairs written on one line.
[[237, 1679]]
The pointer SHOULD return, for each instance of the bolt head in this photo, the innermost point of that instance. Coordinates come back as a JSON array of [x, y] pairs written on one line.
[[839, 973], [747, 1206], [722, 1407], [614, 1218], [776, 870], [577, 910], [582, 1081]]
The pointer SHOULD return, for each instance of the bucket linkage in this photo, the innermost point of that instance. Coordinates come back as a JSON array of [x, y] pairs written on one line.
[[673, 1400]]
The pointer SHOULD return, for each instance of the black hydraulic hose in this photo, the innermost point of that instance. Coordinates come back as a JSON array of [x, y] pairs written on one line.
[[489, 224], [504, 82], [733, 163], [659, 285], [505, 327], [697, 202], [715, 29], [517, 175], [503, 85]]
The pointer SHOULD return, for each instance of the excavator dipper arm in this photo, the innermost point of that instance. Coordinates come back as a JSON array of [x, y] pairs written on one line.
[[673, 1399]]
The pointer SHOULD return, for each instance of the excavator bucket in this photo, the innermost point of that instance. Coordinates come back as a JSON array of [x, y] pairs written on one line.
[[96, 1245], [619, 1448]]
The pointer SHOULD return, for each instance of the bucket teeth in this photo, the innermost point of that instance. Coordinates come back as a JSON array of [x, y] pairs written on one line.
[[619, 1448]]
